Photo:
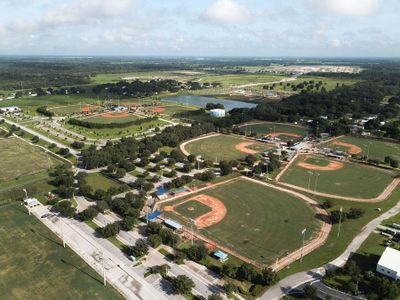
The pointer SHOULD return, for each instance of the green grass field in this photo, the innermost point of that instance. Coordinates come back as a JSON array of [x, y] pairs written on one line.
[[18, 158], [221, 147], [262, 129], [100, 182], [108, 133], [192, 209], [377, 149], [261, 223], [228, 80], [353, 180], [36, 266], [172, 110]]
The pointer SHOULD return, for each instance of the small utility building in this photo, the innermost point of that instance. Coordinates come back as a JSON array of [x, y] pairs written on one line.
[[217, 112], [389, 263]]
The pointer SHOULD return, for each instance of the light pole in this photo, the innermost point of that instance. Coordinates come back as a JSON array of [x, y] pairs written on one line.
[[62, 234], [309, 179], [340, 221], [303, 233], [369, 146], [104, 269], [191, 228]]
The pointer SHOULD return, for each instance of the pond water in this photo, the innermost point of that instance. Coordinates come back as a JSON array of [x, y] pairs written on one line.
[[202, 101]]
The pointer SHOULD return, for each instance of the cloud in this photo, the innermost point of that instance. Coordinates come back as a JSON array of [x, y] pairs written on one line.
[[227, 11], [347, 7]]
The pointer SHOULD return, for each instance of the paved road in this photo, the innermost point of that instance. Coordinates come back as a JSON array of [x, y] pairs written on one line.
[[289, 283], [99, 252], [43, 137]]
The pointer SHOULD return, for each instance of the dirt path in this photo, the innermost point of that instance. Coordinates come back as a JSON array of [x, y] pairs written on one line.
[[385, 194], [332, 166], [182, 146]]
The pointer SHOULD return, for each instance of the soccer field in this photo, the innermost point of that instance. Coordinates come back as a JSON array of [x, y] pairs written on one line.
[[225, 147], [100, 182], [337, 178], [34, 265], [376, 149], [261, 223], [18, 158]]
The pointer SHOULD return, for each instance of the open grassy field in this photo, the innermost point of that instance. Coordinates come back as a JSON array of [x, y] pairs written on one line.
[[99, 182], [261, 223], [222, 147], [353, 180], [171, 110], [377, 149], [18, 158], [36, 266], [227, 80], [108, 133], [261, 129]]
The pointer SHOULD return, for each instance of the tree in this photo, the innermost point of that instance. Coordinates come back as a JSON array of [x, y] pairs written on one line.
[[88, 214], [268, 276], [355, 213], [183, 284], [154, 240], [215, 297], [335, 216], [230, 288], [229, 270], [140, 249], [250, 159], [394, 163], [120, 173], [160, 269], [77, 145], [101, 206], [109, 230], [35, 139], [128, 223], [197, 252], [246, 272]]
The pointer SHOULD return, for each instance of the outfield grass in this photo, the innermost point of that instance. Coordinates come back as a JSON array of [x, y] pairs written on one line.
[[221, 147], [377, 149], [18, 158], [353, 180], [36, 266], [173, 110], [99, 182], [228, 80], [264, 128], [192, 209], [71, 109], [261, 223]]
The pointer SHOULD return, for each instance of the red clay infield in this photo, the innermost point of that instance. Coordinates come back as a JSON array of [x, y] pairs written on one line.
[[351, 149], [158, 109], [277, 134], [115, 115], [89, 108], [332, 166], [242, 147]]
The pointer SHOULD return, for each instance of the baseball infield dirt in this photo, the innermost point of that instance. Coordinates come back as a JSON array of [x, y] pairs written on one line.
[[351, 149]]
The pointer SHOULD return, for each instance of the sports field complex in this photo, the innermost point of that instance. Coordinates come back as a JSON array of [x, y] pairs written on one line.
[[254, 220]]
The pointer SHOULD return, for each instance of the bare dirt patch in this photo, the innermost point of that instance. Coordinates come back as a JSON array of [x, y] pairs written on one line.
[[168, 208], [242, 147], [88, 109], [216, 215], [332, 166], [351, 149], [277, 134]]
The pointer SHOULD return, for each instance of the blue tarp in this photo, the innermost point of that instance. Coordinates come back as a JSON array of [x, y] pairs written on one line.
[[161, 191], [154, 215], [172, 224]]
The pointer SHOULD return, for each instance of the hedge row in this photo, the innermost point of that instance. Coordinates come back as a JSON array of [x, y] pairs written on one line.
[[93, 125]]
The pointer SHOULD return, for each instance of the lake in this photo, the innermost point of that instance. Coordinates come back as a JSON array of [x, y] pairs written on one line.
[[202, 101]]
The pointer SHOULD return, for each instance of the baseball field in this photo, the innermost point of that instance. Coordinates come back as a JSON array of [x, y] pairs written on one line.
[[73, 109], [376, 149], [169, 110], [225, 147], [18, 158], [257, 222], [282, 131], [337, 177], [112, 117]]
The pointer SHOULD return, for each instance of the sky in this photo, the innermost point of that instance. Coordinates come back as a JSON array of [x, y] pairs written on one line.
[[265, 28]]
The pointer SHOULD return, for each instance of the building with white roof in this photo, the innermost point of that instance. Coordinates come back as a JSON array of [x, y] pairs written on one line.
[[217, 112], [389, 263], [9, 109]]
